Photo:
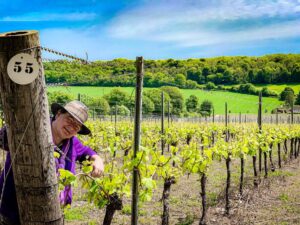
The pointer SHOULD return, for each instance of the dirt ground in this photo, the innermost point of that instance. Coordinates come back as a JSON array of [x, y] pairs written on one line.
[[275, 201]]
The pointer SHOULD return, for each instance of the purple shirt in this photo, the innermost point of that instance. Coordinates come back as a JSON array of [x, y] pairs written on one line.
[[73, 150]]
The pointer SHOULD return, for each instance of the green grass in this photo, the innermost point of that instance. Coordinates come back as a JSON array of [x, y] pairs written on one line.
[[280, 87], [275, 87], [236, 102]]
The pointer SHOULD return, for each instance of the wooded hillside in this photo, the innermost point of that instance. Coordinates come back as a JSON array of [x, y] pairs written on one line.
[[277, 68]]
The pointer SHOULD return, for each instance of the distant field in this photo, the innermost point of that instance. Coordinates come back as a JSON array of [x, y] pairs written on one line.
[[277, 87], [280, 87], [236, 102]]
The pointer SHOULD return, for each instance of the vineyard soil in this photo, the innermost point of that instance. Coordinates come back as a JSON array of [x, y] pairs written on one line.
[[275, 201]]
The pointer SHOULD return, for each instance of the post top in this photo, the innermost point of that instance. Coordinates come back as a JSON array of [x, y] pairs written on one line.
[[17, 33]]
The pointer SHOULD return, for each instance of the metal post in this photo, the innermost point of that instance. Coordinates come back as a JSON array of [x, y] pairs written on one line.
[[137, 131]]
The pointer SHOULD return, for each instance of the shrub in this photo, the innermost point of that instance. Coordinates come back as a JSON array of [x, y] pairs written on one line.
[[210, 86]]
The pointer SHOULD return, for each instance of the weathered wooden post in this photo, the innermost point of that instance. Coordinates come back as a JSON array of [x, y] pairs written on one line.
[[162, 122], [29, 133], [137, 137]]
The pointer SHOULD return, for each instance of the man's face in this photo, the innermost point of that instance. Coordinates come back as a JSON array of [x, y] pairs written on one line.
[[66, 126]]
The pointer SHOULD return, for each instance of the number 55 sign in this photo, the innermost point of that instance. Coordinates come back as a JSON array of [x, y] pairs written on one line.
[[23, 68]]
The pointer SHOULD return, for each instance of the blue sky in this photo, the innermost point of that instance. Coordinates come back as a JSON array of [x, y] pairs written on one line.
[[158, 29]]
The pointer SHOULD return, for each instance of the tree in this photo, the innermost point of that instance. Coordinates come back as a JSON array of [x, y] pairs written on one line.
[[297, 102], [116, 96], [176, 98], [148, 105], [180, 80], [122, 110], [59, 97], [206, 108], [266, 92], [155, 96], [192, 103], [191, 84], [210, 86], [289, 98], [100, 105], [285, 92]]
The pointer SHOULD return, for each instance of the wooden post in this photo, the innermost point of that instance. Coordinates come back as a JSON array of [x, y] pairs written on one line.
[[162, 122], [259, 127], [168, 122], [226, 117], [292, 113], [168, 113], [26, 114], [137, 131]]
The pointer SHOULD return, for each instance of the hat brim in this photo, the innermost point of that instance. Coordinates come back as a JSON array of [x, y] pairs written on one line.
[[55, 107]]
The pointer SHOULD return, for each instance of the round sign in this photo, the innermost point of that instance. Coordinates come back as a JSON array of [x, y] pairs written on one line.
[[23, 68]]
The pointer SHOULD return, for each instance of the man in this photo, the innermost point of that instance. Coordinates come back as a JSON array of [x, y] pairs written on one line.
[[66, 123]]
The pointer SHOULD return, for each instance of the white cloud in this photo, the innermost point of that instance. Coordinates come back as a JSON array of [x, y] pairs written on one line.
[[51, 17], [187, 22]]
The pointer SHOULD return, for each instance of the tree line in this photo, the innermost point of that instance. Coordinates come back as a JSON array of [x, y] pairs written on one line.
[[120, 102], [189, 73]]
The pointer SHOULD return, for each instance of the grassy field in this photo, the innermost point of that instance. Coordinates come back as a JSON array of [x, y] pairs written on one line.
[[276, 87], [280, 87], [236, 102]]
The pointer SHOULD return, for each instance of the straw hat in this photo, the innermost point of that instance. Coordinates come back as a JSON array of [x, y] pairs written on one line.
[[78, 110]]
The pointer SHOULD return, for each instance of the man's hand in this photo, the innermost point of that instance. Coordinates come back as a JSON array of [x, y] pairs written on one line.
[[98, 166]]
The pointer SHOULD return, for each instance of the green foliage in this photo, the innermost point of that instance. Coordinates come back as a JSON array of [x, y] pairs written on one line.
[[74, 213], [148, 105], [191, 84], [217, 97], [66, 178], [100, 105], [59, 97], [283, 94], [206, 108], [266, 92], [289, 98], [180, 80], [297, 102], [122, 110], [210, 86], [283, 197], [287, 95], [176, 98], [155, 96], [117, 96], [192, 103], [276, 68], [248, 89]]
